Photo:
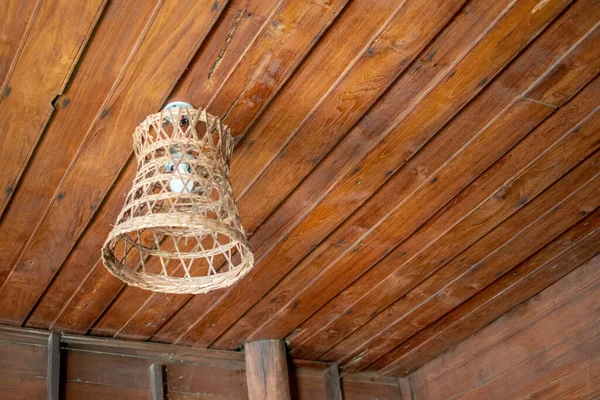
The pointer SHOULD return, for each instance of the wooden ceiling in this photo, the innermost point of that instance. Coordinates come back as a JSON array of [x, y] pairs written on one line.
[[408, 170]]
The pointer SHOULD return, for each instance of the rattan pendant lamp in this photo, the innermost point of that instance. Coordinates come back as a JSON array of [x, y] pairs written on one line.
[[179, 230]]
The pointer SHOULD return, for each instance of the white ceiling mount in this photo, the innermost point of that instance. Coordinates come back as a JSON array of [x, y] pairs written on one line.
[[176, 104]]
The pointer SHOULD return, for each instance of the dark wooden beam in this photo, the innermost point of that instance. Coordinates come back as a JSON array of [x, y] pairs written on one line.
[[53, 376], [266, 370], [333, 390], [155, 377]]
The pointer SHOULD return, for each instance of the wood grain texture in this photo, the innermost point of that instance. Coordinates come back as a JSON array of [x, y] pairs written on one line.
[[473, 222], [333, 389], [16, 18], [266, 370], [543, 311], [53, 374], [408, 172], [539, 271], [155, 378], [568, 322], [81, 195], [408, 89], [75, 111], [387, 61], [127, 305], [402, 213], [40, 72], [338, 249]]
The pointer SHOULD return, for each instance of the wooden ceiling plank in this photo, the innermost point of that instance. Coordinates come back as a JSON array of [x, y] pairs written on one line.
[[148, 80], [442, 54], [222, 50], [573, 73], [40, 73], [352, 95], [275, 53], [379, 162], [132, 299], [572, 285], [570, 337], [535, 61], [82, 275], [453, 230], [383, 59], [375, 304], [547, 266], [451, 222], [405, 90], [319, 290], [465, 276], [79, 276], [579, 384], [329, 59], [75, 110], [14, 26]]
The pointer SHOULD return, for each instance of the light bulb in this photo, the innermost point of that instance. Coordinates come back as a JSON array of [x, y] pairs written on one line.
[[176, 185]]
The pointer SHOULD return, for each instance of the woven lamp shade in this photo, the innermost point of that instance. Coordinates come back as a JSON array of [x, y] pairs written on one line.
[[179, 230]]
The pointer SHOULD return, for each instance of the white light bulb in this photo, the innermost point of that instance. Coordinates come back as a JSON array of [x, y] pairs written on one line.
[[176, 185]]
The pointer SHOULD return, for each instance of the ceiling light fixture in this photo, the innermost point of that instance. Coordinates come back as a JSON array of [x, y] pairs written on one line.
[[179, 230]]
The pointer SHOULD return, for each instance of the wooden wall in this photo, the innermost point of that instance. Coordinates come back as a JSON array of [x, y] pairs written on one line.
[[546, 348], [102, 369]]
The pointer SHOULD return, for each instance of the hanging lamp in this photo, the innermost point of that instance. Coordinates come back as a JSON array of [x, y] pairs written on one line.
[[179, 230]]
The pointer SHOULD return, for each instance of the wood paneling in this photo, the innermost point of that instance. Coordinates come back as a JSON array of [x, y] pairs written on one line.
[[266, 370], [100, 368], [538, 349], [407, 171]]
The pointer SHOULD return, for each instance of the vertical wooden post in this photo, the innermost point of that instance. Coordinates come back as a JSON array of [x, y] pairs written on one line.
[[405, 389], [155, 377], [333, 390], [53, 374], [266, 370]]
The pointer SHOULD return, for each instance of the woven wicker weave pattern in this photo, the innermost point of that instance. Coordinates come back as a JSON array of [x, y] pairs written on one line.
[[179, 230]]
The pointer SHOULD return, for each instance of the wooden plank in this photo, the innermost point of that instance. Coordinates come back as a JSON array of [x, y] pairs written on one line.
[[16, 18], [532, 374], [196, 379], [405, 390], [75, 110], [99, 282], [373, 171], [485, 261], [522, 73], [53, 374], [84, 258], [86, 390], [581, 278], [155, 372], [41, 72], [223, 50], [541, 270], [574, 72], [266, 370], [434, 62], [128, 103], [380, 290], [409, 251], [561, 325], [271, 131], [281, 257], [291, 33], [439, 240], [582, 383], [333, 390], [367, 389]]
